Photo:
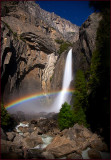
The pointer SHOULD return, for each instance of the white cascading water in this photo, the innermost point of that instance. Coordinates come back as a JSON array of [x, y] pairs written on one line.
[[63, 96]]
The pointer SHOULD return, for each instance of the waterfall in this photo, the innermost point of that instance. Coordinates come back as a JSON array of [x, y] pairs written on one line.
[[63, 95]]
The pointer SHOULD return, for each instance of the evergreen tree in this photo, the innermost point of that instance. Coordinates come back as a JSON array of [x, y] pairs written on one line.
[[99, 80], [5, 117], [65, 117], [80, 98]]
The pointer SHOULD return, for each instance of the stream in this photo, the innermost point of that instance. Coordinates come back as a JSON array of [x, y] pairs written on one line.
[[46, 141]]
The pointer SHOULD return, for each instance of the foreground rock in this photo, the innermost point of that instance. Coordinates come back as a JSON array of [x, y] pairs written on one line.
[[11, 135], [93, 154], [33, 142], [61, 146], [74, 156], [69, 143], [11, 150], [75, 139], [47, 155], [3, 135]]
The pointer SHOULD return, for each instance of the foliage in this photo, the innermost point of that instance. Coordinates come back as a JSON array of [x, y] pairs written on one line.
[[68, 116], [51, 78], [59, 41], [80, 98], [7, 121], [99, 80], [65, 117], [80, 116], [64, 46], [81, 89], [5, 117], [99, 5]]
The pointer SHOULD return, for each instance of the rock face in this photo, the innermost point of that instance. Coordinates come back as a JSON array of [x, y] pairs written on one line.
[[57, 78], [84, 47], [65, 27], [29, 49], [82, 50]]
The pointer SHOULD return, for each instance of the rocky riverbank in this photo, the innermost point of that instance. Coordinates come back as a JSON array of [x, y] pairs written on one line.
[[42, 139]]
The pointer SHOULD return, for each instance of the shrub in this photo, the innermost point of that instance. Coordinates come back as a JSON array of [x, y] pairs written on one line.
[[65, 117], [64, 46], [59, 41], [80, 99], [7, 121], [5, 117]]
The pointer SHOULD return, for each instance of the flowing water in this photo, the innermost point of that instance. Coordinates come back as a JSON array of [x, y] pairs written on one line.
[[63, 96], [46, 141], [21, 125], [104, 155]]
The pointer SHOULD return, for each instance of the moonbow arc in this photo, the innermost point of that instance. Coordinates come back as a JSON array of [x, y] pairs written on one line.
[[32, 97]]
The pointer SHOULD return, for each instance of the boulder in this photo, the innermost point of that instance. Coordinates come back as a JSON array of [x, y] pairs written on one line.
[[94, 154], [87, 133], [56, 131], [94, 137], [77, 132], [33, 122], [40, 132], [27, 134], [33, 142], [23, 129], [36, 131], [5, 146], [35, 153], [34, 134], [11, 135], [3, 135], [8, 146], [61, 146], [74, 156], [19, 140], [11, 155], [47, 155], [99, 145]]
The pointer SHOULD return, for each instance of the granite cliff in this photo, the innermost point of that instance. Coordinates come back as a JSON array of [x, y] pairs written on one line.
[[82, 50], [29, 48]]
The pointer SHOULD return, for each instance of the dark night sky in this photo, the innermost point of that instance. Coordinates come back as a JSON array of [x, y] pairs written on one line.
[[75, 11]]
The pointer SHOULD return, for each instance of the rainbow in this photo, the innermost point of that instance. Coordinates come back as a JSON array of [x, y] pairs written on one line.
[[32, 97]]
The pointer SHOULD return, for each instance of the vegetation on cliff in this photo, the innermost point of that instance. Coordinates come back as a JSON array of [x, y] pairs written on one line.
[[63, 45], [92, 91], [5, 117], [80, 98], [99, 80], [69, 116]]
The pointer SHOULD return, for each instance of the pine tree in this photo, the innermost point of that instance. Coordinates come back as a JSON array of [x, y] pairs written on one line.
[[5, 117], [99, 80], [65, 117], [80, 98]]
